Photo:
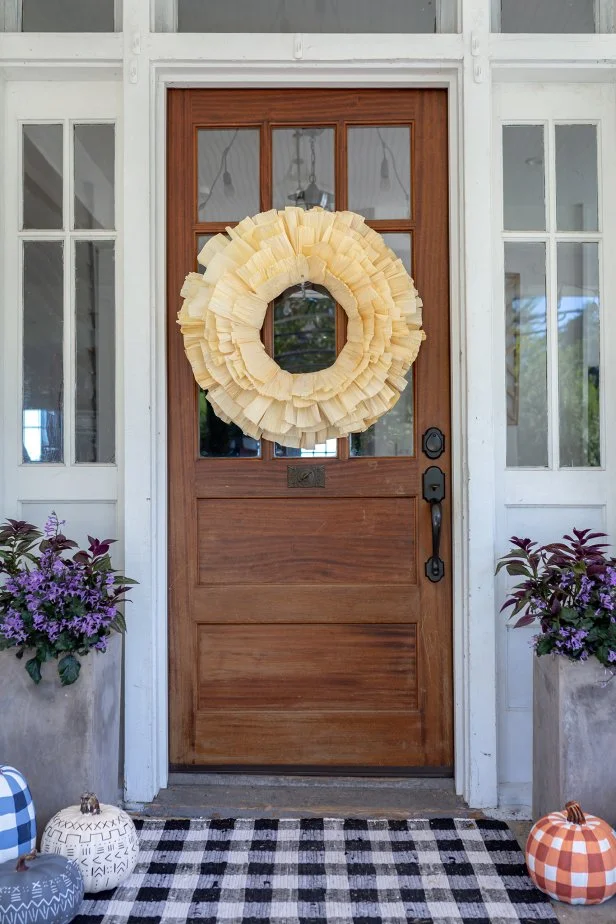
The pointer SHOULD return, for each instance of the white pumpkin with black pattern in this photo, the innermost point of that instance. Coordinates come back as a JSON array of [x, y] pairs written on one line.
[[100, 838]]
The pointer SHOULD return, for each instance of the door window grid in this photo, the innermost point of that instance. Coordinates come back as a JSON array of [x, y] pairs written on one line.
[[69, 238], [557, 310], [393, 434]]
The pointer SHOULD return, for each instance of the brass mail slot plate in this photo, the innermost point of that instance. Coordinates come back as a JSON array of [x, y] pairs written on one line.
[[305, 476]]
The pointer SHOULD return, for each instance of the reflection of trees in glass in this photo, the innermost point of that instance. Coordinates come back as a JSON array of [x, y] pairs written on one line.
[[305, 329], [217, 438], [578, 382], [392, 434], [527, 341]]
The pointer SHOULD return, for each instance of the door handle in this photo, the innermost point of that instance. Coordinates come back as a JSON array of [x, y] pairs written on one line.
[[434, 494]]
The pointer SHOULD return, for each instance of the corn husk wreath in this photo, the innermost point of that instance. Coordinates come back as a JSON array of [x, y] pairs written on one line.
[[224, 310]]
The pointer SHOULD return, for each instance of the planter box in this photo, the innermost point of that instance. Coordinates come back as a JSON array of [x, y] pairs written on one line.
[[65, 740], [574, 737]]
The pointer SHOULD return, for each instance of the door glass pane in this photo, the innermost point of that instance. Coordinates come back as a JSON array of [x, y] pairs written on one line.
[[220, 440], [307, 16], [43, 330], [578, 354], [305, 341], [401, 244], [576, 177], [305, 329], [94, 351], [94, 176], [216, 438], [380, 171], [523, 178], [327, 450], [526, 355], [42, 176], [547, 15], [67, 16], [228, 173], [202, 240], [304, 167], [392, 434]]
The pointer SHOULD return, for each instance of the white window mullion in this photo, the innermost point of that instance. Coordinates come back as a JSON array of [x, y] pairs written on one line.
[[68, 391], [72, 337], [552, 299]]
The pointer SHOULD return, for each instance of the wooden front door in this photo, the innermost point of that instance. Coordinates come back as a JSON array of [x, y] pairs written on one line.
[[303, 631]]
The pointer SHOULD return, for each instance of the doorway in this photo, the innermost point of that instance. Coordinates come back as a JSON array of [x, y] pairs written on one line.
[[306, 630]]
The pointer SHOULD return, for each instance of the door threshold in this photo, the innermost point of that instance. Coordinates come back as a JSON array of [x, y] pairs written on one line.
[[188, 773], [242, 795]]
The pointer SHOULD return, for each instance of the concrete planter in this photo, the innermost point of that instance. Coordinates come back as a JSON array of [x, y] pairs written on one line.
[[574, 737], [65, 740]]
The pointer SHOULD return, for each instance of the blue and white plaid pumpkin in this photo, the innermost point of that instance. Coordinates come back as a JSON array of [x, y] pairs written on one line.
[[17, 821]]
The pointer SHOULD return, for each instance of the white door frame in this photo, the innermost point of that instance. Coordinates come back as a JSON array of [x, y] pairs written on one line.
[[473, 641]]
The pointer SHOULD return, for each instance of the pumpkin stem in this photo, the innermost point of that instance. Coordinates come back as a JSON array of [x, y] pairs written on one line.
[[575, 814], [90, 804], [21, 862]]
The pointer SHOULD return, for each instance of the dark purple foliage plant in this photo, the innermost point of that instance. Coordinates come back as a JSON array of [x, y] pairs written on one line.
[[569, 589], [56, 603]]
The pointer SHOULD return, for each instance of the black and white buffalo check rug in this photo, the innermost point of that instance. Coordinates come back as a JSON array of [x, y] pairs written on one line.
[[323, 871]]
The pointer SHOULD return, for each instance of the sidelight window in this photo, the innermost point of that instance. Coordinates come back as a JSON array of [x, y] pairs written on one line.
[[68, 292], [552, 284]]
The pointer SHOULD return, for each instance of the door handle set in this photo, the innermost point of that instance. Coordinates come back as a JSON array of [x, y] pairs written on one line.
[[433, 445]]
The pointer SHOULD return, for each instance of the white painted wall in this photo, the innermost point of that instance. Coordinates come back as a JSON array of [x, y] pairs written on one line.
[[125, 76]]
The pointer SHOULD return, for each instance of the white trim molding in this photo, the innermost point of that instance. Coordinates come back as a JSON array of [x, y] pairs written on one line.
[[470, 64]]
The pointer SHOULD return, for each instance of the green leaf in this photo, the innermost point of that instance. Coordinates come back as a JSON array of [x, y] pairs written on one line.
[[64, 642], [119, 623], [68, 669], [544, 645], [33, 666]]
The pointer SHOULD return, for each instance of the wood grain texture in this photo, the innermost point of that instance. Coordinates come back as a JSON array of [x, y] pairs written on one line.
[[326, 739], [336, 668], [251, 559], [333, 540], [359, 477], [359, 602]]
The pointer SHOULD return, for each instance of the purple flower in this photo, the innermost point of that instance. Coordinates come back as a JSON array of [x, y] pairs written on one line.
[[52, 526]]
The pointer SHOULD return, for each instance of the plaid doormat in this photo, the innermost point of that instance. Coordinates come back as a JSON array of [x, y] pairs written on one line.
[[323, 871]]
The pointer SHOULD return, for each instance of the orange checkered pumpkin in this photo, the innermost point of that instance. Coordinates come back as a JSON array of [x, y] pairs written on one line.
[[572, 857]]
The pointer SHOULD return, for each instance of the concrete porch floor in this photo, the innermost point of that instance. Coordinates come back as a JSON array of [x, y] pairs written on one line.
[[222, 795]]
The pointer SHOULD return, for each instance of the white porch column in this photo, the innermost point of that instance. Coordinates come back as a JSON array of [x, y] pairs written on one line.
[[479, 680], [143, 724]]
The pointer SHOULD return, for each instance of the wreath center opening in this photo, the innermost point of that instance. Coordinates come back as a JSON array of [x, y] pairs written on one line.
[[305, 322]]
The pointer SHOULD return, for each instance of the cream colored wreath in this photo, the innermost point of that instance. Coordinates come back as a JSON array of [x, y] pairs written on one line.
[[224, 310]]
